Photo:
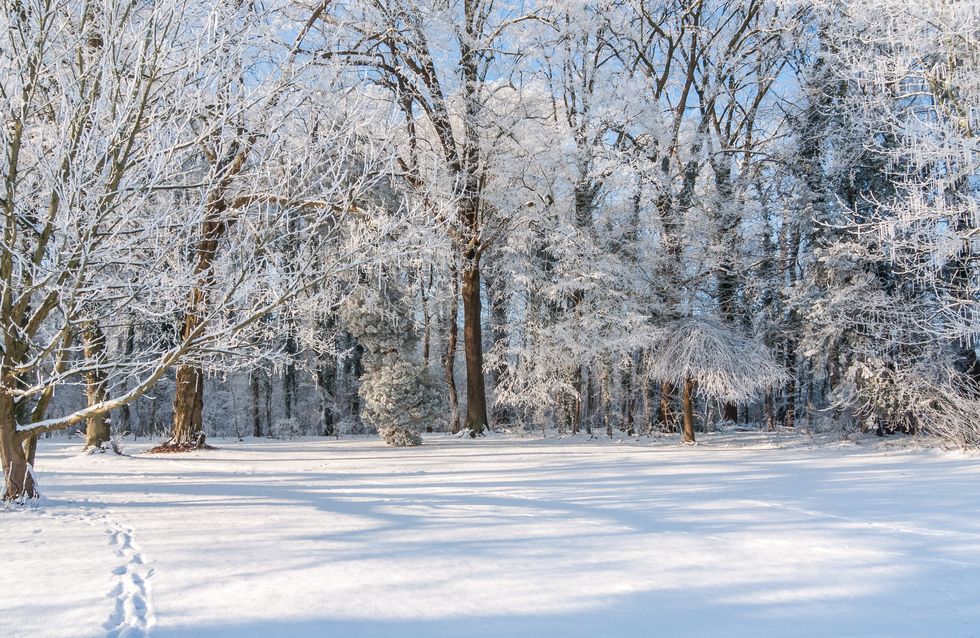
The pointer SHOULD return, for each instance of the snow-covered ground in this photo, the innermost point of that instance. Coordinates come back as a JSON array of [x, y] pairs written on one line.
[[742, 535]]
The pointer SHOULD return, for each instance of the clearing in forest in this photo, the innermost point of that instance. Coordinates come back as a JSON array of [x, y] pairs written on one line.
[[743, 535]]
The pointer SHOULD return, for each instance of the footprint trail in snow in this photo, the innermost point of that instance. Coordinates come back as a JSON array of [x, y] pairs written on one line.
[[132, 615]]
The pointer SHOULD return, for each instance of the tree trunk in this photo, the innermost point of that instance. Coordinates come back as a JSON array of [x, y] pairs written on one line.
[[790, 418], [688, 436], [188, 431], [648, 415], [96, 391], [476, 397], [253, 378], [449, 360], [289, 376], [125, 416], [267, 378], [769, 413], [666, 413], [17, 470], [424, 287], [629, 395], [585, 403], [188, 427], [154, 409], [497, 297], [30, 448], [326, 381], [730, 412]]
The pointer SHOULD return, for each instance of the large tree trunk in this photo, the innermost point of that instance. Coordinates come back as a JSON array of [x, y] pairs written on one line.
[[188, 427], [688, 435], [476, 397], [188, 431], [17, 470], [97, 427]]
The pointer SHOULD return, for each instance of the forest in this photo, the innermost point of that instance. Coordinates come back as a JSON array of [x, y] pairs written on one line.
[[613, 217]]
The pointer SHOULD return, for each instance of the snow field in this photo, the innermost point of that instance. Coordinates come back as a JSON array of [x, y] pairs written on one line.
[[742, 535]]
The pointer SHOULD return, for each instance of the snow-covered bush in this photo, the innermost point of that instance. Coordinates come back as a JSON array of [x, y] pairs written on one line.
[[935, 399], [400, 437], [400, 397]]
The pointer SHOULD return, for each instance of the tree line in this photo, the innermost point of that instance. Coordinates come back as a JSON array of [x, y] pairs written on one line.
[[614, 215]]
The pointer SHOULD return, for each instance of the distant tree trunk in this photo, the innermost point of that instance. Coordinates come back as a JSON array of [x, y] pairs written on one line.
[[96, 389], [352, 369], [666, 413], [688, 436], [125, 416], [790, 419], [575, 406], [648, 410], [730, 412], [769, 413], [449, 360], [629, 395], [497, 296], [726, 279], [606, 389], [326, 381], [253, 378], [585, 403], [154, 410], [268, 402], [289, 375], [476, 395], [425, 285]]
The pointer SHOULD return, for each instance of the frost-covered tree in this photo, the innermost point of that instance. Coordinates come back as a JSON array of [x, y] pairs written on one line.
[[713, 360], [895, 266], [400, 397], [121, 200], [443, 64]]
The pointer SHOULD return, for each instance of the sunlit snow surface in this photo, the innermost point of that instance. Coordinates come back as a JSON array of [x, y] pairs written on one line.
[[743, 535]]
